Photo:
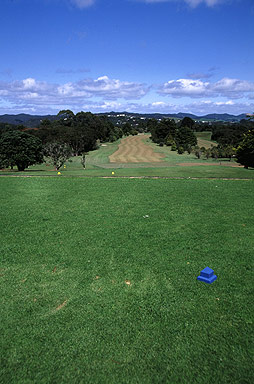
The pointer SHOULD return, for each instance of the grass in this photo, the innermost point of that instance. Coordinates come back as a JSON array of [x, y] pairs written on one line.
[[97, 164], [142, 170], [172, 157], [204, 139], [94, 292]]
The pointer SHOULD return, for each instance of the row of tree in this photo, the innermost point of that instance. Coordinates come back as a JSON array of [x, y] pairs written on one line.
[[81, 131], [234, 139], [77, 134], [178, 136], [69, 135]]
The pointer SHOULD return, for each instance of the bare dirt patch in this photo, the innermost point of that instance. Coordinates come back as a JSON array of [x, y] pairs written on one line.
[[133, 150], [61, 305]]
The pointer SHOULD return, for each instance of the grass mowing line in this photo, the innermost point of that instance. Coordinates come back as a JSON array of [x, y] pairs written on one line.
[[133, 149], [124, 255], [101, 155], [204, 139], [135, 177]]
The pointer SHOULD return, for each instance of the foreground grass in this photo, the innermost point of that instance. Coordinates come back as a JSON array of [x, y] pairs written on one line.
[[142, 170], [93, 291]]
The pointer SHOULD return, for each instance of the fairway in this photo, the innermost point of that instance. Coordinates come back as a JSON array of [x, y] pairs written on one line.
[[138, 156], [133, 150], [99, 280], [204, 139]]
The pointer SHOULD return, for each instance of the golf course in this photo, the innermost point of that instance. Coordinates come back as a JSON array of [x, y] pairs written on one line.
[[99, 268]]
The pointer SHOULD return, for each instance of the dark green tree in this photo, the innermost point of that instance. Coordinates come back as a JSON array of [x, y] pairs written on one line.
[[126, 128], [185, 137], [20, 149], [197, 152], [245, 151], [66, 114], [187, 122], [161, 131]]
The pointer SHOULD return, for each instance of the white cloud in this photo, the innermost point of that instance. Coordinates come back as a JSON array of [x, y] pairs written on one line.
[[29, 83], [112, 88], [105, 94], [226, 87], [70, 93], [199, 108]]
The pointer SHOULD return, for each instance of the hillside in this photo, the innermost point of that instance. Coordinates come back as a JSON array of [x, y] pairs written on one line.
[[33, 121]]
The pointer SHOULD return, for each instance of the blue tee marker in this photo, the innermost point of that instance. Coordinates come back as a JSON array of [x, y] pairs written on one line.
[[207, 276]]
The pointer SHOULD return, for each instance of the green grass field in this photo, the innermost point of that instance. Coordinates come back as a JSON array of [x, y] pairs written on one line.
[[94, 292], [173, 165]]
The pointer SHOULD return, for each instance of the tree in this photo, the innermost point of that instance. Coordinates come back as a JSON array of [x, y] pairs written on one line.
[[20, 149], [58, 153], [187, 122], [245, 151], [197, 152], [208, 153], [180, 150], [126, 128], [161, 131], [80, 131], [65, 114], [215, 152], [173, 146], [229, 151], [83, 159], [185, 137]]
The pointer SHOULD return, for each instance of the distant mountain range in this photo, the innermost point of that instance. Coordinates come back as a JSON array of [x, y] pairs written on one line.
[[30, 121], [33, 121], [180, 115]]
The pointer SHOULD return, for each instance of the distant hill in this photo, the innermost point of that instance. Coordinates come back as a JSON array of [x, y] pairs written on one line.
[[30, 121], [210, 117], [33, 121], [224, 117]]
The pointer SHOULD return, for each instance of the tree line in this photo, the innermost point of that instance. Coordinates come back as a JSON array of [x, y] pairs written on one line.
[[69, 135], [233, 139], [75, 135]]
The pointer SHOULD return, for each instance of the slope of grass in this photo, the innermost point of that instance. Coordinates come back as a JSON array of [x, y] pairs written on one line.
[[204, 139], [99, 281], [174, 158]]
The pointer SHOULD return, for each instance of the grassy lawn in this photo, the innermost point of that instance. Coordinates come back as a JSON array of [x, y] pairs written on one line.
[[139, 170], [173, 165], [204, 139], [94, 292]]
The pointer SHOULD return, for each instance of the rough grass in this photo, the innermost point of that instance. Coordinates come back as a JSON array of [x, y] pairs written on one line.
[[93, 291]]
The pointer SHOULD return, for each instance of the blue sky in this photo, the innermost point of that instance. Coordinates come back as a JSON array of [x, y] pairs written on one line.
[[163, 56]]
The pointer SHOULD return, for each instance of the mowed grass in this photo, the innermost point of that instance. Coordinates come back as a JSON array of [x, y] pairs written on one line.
[[204, 139], [173, 165], [94, 292]]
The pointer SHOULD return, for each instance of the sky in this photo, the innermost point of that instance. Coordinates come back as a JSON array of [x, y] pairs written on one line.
[[145, 56]]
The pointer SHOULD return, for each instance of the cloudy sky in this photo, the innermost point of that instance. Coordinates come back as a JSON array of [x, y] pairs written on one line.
[[164, 56]]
